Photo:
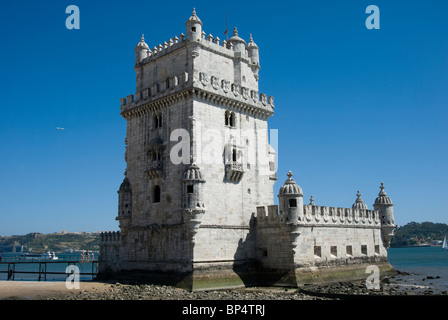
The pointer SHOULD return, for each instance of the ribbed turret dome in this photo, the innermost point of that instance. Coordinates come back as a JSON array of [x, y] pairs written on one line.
[[194, 18], [290, 187], [142, 44], [193, 173], [125, 185], [359, 204], [382, 197]]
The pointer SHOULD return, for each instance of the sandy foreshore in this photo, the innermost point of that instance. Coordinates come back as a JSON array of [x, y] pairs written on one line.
[[44, 290]]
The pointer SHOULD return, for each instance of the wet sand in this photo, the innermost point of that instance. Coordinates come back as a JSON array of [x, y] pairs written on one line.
[[42, 290]]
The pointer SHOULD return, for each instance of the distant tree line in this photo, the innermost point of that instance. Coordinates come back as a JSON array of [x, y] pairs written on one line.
[[57, 242], [415, 234]]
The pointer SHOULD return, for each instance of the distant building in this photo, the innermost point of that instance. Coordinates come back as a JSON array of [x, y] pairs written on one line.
[[213, 224]]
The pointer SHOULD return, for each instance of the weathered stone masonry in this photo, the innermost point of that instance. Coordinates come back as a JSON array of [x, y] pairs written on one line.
[[211, 224]]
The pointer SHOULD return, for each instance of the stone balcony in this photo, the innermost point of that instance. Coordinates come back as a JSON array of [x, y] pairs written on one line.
[[154, 169], [234, 171]]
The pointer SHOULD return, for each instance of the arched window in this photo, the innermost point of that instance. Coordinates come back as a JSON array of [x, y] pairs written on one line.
[[232, 119], [227, 116], [157, 120], [234, 155], [156, 195]]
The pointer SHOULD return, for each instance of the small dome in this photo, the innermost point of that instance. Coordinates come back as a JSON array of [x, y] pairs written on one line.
[[359, 204], [251, 43], [382, 197], [235, 37], [194, 18], [125, 185], [193, 173], [142, 44], [290, 187]]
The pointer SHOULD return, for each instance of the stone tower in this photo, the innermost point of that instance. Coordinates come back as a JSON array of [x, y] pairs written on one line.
[[198, 159], [196, 204]]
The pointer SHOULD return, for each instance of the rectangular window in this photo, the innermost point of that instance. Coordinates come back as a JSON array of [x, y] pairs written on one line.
[[377, 249], [364, 249], [190, 189], [349, 251], [317, 252], [264, 252], [293, 203], [334, 251]]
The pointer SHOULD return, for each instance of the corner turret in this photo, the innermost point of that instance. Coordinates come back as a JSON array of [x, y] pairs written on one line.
[[383, 204], [193, 206], [253, 52], [194, 27], [141, 50], [291, 200], [124, 205]]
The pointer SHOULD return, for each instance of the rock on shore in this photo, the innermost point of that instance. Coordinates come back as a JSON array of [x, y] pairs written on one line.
[[120, 291], [128, 291]]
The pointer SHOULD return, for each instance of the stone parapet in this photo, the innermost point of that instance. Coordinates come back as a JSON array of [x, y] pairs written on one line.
[[321, 215], [110, 237]]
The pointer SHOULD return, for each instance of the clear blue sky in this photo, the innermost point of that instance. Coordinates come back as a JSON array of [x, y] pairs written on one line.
[[354, 107]]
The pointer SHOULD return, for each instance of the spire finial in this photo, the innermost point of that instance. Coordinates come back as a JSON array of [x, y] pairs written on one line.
[[312, 201], [382, 192], [143, 38], [358, 194], [235, 31], [194, 12], [289, 174]]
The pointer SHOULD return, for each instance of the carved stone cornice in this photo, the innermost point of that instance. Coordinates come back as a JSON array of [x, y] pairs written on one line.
[[198, 93]]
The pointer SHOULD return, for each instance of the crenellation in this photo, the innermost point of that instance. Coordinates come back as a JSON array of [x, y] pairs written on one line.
[[110, 236], [333, 216]]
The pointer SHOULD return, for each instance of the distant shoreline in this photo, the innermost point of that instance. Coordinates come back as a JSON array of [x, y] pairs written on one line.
[[417, 246]]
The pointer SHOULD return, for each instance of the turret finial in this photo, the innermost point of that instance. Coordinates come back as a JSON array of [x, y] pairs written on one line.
[[312, 201], [194, 12], [382, 192], [235, 31], [289, 174]]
